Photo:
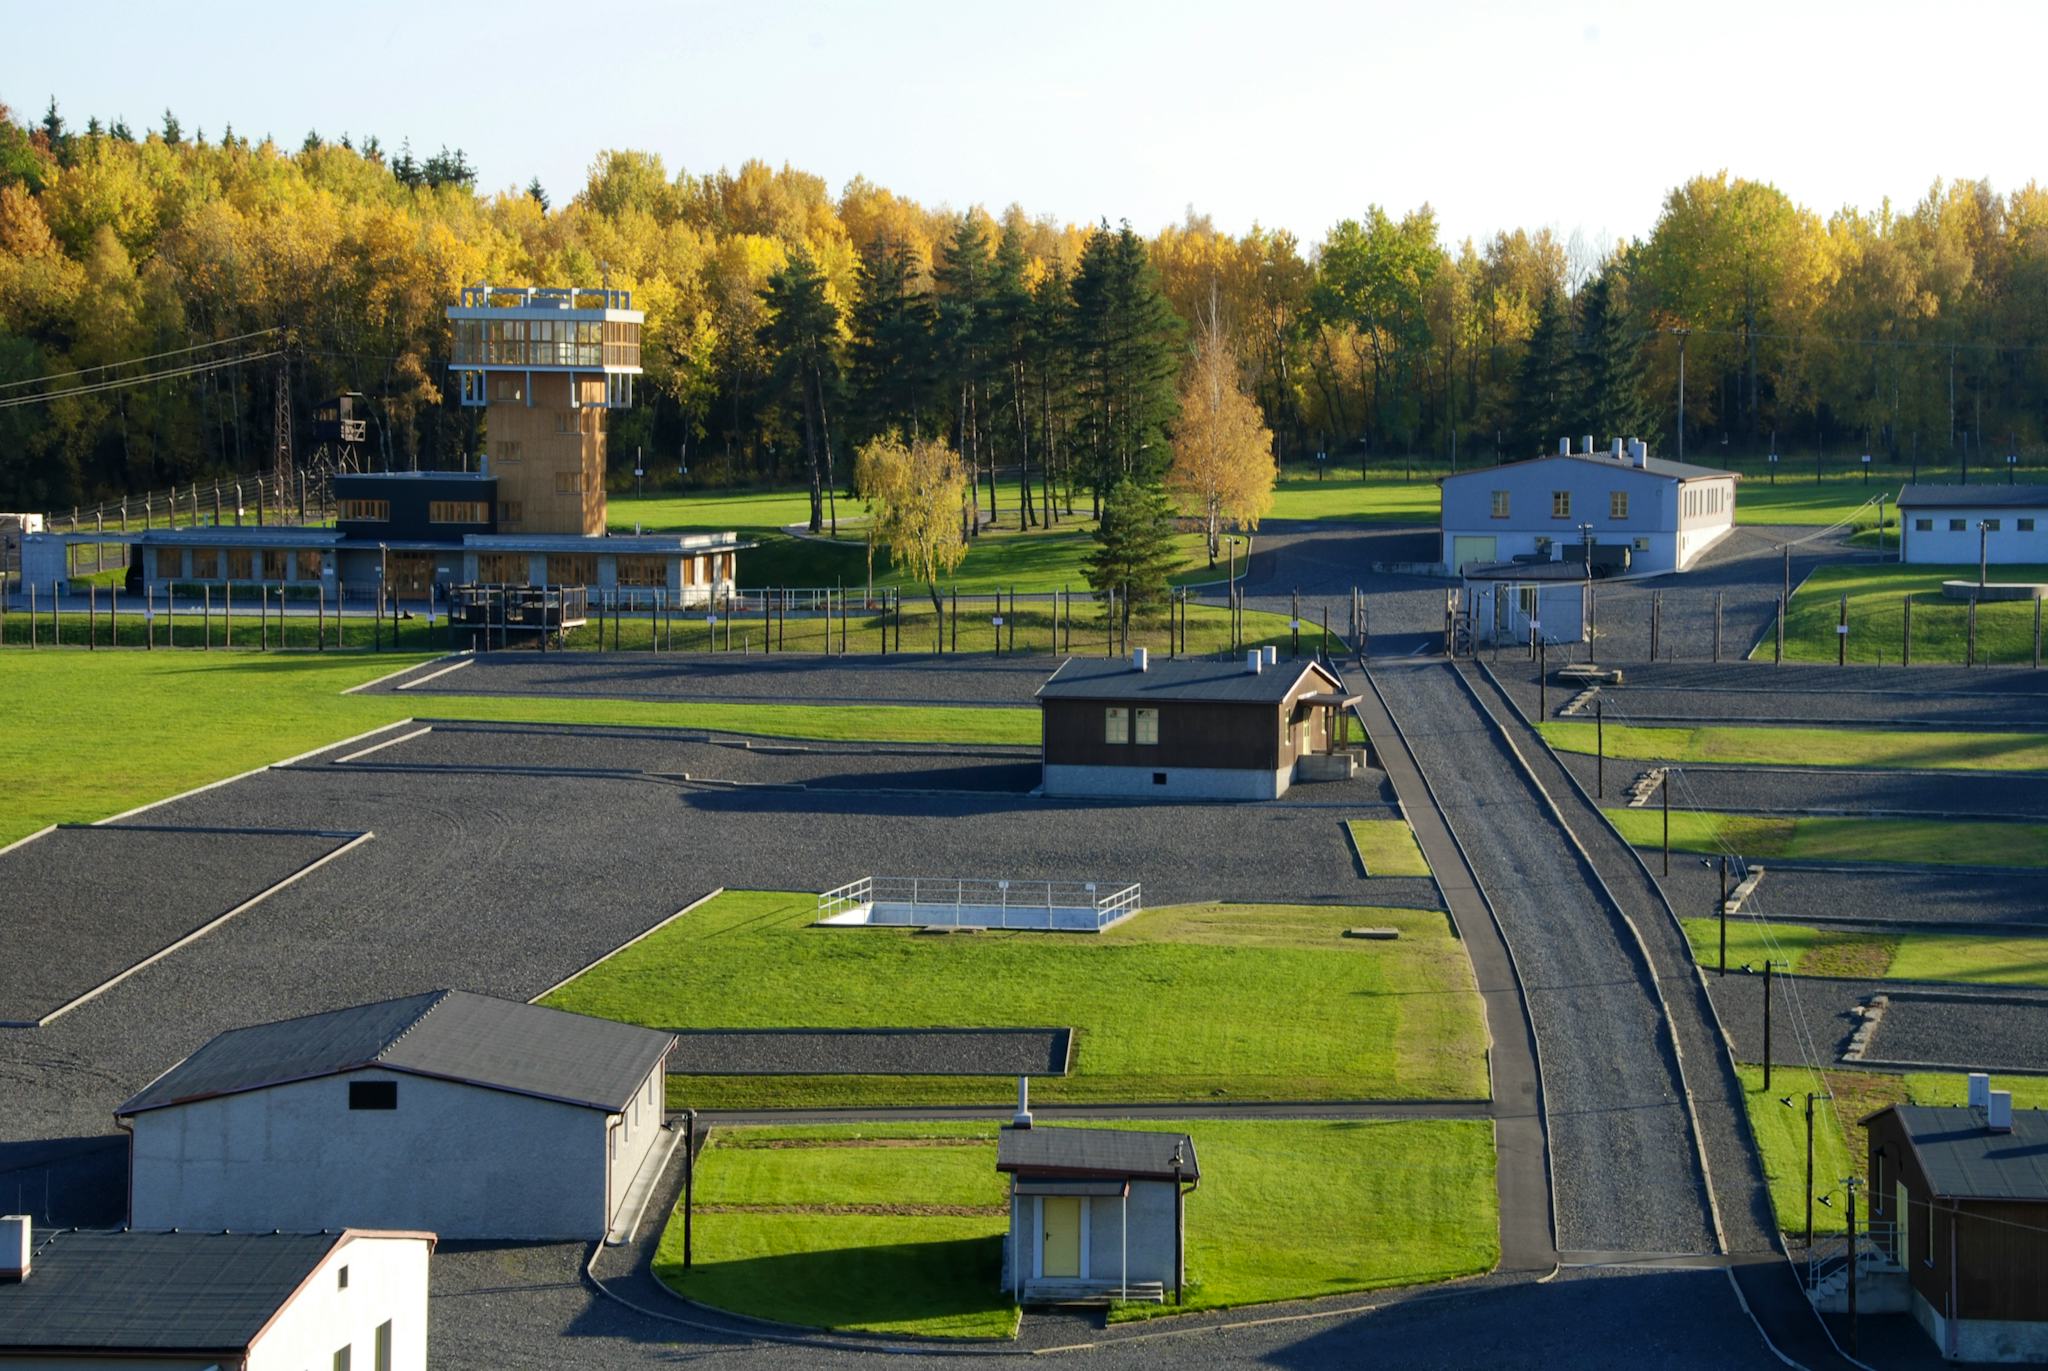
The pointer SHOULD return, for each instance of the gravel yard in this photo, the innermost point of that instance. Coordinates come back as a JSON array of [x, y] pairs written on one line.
[[1789, 894], [858, 679], [1979, 1030], [1829, 790], [872, 1052]]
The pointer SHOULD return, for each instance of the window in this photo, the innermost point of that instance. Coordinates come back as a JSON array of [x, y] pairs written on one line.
[[506, 388], [647, 572], [1955, 526], [568, 483], [1560, 504], [1500, 504], [1158, 778], [273, 564], [1617, 505], [2024, 525], [511, 513], [1116, 724], [309, 565], [1991, 525], [507, 450], [241, 565], [572, 569], [384, 1346], [373, 1094], [1148, 727], [458, 512], [341, 1279], [1923, 525], [503, 568], [205, 563], [342, 1357], [365, 511]]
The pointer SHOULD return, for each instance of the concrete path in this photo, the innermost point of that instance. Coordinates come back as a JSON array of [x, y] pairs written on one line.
[[1528, 1237]]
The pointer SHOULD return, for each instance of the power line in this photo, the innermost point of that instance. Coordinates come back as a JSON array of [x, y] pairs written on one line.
[[136, 361], [168, 374]]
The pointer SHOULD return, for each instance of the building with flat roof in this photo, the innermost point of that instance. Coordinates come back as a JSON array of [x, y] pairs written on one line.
[[1628, 511], [211, 1301], [468, 1116], [1954, 525]]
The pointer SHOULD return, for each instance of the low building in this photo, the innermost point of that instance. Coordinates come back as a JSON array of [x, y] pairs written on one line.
[[1189, 728], [1958, 1197], [1522, 602], [213, 1301], [1629, 511], [1954, 525], [460, 1114], [1095, 1212]]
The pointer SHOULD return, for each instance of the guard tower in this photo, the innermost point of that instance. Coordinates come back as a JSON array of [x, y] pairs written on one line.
[[545, 364]]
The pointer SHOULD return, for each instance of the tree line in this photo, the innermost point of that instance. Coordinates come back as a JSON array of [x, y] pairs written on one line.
[[788, 326]]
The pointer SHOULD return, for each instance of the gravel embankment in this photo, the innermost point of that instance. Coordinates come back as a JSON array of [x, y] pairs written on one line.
[[858, 679], [1828, 790], [1930, 895], [1624, 1162]]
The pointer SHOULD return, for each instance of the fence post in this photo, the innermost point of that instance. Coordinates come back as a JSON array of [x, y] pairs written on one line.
[[1778, 650], [1842, 633], [953, 616], [1970, 651], [320, 617], [206, 618], [2037, 632], [92, 617], [149, 618], [227, 611], [1906, 632], [31, 613], [1717, 625]]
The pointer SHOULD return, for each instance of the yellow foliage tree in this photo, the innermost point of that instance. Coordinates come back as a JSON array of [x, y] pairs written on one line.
[[914, 493], [1222, 467]]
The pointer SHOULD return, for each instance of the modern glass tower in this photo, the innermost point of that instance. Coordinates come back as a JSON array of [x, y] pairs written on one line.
[[544, 364]]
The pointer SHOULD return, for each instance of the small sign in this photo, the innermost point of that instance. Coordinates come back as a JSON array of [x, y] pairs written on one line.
[[1866, 459], [1294, 623], [1535, 625], [711, 618], [1842, 629], [997, 621], [1774, 457]]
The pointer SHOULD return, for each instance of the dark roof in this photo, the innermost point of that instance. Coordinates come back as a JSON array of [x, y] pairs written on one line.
[[1226, 682], [1094, 1152], [1966, 1161], [498, 1044], [1573, 572], [158, 1292], [1654, 466], [1973, 497]]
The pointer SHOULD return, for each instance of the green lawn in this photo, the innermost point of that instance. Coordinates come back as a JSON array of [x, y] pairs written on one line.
[[1852, 747], [1387, 847], [1839, 1145], [1913, 842], [1197, 1002], [1983, 958], [899, 1228], [91, 734], [1876, 594], [1383, 498]]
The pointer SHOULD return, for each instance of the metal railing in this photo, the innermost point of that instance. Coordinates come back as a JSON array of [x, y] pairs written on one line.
[[1876, 1248], [979, 902]]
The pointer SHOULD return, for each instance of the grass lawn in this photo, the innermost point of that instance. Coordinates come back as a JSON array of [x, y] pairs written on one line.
[[1876, 594], [1913, 842], [1387, 847], [1839, 1146], [91, 734], [1983, 958], [1383, 498], [1197, 1002], [1766, 746], [899, 1228]]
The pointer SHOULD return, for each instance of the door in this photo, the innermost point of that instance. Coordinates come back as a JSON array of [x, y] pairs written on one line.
[[1902, 1244], [1465, 550], [1060, 1248]]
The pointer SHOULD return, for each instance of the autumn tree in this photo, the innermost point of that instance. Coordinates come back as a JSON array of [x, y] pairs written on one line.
[[913, 494], [1222, 450]]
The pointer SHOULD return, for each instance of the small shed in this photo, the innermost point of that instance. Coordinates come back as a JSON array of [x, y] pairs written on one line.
[[1234, 729], [1518, 602], [1095, 1213], [1959, 1202], [449, 1112]]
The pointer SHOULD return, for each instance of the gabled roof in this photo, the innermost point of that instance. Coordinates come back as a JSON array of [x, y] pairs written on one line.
[[451, 1034], [165, 1293], [1652, 466], [1964, 1160], [1043, 1151], [1973, 497], [1225, 682]]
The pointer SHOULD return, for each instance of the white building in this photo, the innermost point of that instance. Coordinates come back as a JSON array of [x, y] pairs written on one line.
[[1511, 602], [1940, 524], [221, 1301], [454, 1113], [1638, 514]]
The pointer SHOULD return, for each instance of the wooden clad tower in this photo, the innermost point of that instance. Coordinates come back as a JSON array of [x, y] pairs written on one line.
[[545, 364]]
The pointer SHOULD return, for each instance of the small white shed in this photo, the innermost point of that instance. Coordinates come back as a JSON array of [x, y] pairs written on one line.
[[1095, 1213], [460, 1114]]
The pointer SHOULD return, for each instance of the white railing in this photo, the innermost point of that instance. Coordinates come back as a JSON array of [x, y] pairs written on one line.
[[846, 899], [978, 902], [1876, 1250]]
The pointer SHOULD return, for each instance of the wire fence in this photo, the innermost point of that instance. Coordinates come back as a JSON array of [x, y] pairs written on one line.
[[258, 501]]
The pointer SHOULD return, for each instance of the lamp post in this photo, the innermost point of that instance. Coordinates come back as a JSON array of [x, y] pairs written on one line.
[[1983, 549], [1586, 604], [639, 474], [1233, 587]]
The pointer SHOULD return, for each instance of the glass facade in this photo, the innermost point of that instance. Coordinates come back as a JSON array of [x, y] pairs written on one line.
[[546, 343]]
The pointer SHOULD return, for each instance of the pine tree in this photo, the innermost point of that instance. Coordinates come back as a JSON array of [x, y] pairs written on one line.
[[1134, 553], [962, 348], [1009, 332], [1609, 361], [172, 132], [1543, 383], [891, 348], [120, 132], [802, 334], [538, 194], [1128, 356]]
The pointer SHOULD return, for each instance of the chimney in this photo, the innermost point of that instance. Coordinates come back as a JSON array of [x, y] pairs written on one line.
[[1638, 452], [1997, 1119], [1139, 659], [1252, 659], [1564, 447], [1617, 450], [1980, 1090], [17, 1241], [1022, 1118], [1589, 444], [1272, 655]]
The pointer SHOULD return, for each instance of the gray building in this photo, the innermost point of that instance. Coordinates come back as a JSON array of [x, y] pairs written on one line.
[[1955, 525], [1094, 1212], [1633, 512], [1522, 602], [455, 1113]]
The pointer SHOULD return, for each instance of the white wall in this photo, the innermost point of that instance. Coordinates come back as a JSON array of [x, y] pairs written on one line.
[[457, 1160], [638, 1129], [387, 1280], [1942, 544]]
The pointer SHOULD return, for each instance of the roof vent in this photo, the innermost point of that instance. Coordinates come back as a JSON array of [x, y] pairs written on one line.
[[1980, 1090], [1618, 456], [1589, 444], [1139, 659], [1564, 447], [17, 1241], [1272, 655], [1998, 1118], [1252, 660], [1638, 452], [1022, 1118]]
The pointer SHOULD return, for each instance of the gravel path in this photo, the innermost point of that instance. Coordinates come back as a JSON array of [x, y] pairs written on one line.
[[1931, 896], [872, 1052], [1623, 1156], [1983, 1029], [1830, 790]]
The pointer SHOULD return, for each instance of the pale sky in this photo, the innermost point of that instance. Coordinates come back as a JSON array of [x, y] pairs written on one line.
[[1578, 114]]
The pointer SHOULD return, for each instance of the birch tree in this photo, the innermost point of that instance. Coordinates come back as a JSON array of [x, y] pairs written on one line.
[[1222, 468]]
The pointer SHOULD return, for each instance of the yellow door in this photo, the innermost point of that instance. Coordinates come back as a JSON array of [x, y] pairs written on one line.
[[1061, 1249]]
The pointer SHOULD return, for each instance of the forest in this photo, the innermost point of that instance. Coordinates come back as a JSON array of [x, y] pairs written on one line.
[[789, 323]]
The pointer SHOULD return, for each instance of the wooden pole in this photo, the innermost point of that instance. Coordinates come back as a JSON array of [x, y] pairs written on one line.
[[1842, 633], [1906, 631], [92, 616], [206, 617]]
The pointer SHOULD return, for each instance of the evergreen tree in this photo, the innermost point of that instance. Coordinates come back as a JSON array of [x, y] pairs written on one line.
[[1543, 383], [120, 132], [1127, 343], [1049, 364], [1009, 335], [172, 132], [891, 362], [962, 347], [801, 334], [1609, 362], [312, 143], [405, 169], [53, 126], [538, 194], [1134, 553]]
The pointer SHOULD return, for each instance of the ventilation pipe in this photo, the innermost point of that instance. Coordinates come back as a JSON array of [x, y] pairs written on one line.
[[1638, 452], [1564, 447], [1252, 660], [1980, 1090], [16, 1243], [1589, 444], [1022, 1118], [1998, 1118], [1140, 659], [1272, 655], [1617, 450]]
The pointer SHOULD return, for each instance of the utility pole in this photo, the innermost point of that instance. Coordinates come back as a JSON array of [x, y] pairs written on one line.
[[1768, 964], [1683, 334], [1724, 916], [1664, 789], [1600, 750], [1851, 1183]]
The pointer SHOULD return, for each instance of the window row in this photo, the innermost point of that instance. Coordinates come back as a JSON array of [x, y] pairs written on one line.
[[458, 511], [241, 564], [546, 343], [364, 511], [1121, 725], [1963, 525], [1704, 501]]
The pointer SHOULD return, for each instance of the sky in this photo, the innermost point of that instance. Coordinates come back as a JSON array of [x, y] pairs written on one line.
[[1579, 115]]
